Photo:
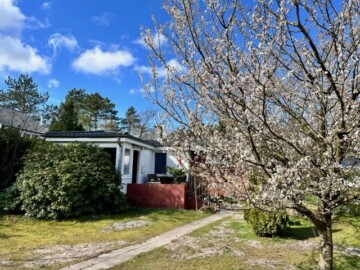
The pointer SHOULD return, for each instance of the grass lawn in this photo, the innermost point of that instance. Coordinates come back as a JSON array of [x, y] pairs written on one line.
[[26, 242], [231, 244]]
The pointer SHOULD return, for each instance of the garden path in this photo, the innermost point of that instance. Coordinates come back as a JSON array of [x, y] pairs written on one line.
[[116, 257]]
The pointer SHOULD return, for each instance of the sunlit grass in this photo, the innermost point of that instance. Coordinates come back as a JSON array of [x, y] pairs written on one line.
[[19, 236], [282, 252]]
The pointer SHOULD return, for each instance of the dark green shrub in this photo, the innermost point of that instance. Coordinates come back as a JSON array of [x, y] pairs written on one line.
[[178, 174], [13, 148], [267, 224], [10, 201], [68, 181], [246, 214], [350, 209]]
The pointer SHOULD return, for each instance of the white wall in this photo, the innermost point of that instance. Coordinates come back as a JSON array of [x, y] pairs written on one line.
[[146, 165], [146, 162], [126, 178], [173, 161]]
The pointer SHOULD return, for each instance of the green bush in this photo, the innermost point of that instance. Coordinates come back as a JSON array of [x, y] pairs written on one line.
[[267, 224], [10, 201], [13, 148], [178, 174], [350, 209], [68, 181]]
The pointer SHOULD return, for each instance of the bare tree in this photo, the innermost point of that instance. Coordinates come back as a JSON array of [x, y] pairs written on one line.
[[145, 119], [271, 86]]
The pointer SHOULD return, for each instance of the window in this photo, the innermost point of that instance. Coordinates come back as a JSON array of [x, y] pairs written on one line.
[[112, 155], [126, 162]]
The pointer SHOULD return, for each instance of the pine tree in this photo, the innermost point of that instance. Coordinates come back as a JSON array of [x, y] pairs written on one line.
[[22, 95], [67, 119], [131, 120]]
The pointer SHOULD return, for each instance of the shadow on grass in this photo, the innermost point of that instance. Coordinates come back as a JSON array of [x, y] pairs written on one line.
[[130, 213], [3, 236], [300, 233]]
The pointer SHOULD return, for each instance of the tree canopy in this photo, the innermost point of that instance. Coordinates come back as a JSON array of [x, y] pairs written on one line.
[[146, 117], [82, 111], [138, 123], [131, 120], [282, 78], [22, 95], [67, 118]]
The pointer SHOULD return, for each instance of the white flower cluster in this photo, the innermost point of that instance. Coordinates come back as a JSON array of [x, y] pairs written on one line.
[[273, 88]]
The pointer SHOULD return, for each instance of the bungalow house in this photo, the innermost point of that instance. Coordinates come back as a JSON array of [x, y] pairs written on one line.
[[133, 157], [27, 125]]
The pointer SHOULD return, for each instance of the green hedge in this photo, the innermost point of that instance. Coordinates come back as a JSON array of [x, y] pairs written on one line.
[[10, 201], [68, 181], [13, 148], [267, 224]]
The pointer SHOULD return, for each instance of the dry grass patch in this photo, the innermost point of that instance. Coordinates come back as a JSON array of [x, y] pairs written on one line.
[[231, 244], [29, 243]]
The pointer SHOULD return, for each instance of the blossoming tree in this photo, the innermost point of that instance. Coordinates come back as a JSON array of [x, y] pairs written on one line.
[[272, 86]]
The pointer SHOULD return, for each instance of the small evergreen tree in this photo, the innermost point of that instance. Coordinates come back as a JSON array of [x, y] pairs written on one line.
[[67, 119], [131, 120], [22, 95], [91, 111]]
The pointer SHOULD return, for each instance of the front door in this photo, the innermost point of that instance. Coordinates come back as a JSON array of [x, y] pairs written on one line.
[[135, 166], [160, 163]]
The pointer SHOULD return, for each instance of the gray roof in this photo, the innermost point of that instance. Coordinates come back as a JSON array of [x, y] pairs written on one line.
[[22, 121], [98, 134]]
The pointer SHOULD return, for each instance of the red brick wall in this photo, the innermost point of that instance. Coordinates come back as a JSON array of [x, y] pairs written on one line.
[[156, 195]]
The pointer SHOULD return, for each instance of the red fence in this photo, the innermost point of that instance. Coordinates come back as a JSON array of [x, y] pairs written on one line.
[[193, 203], [157, 195]]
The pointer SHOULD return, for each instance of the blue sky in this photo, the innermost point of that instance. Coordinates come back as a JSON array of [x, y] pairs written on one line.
[[64, 44]]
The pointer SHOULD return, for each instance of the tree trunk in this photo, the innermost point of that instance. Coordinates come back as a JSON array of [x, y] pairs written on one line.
[[326, 244]]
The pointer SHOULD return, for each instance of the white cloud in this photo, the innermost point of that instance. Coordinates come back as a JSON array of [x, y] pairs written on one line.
[[13, 21], [11, 18], [57, 40], [143, 69], [53, 83], [97, 61], [103, 19], [16, 56], [159, 40], [46, 5], [134, 91], [161, 71], [172, 64], [33, 23]]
